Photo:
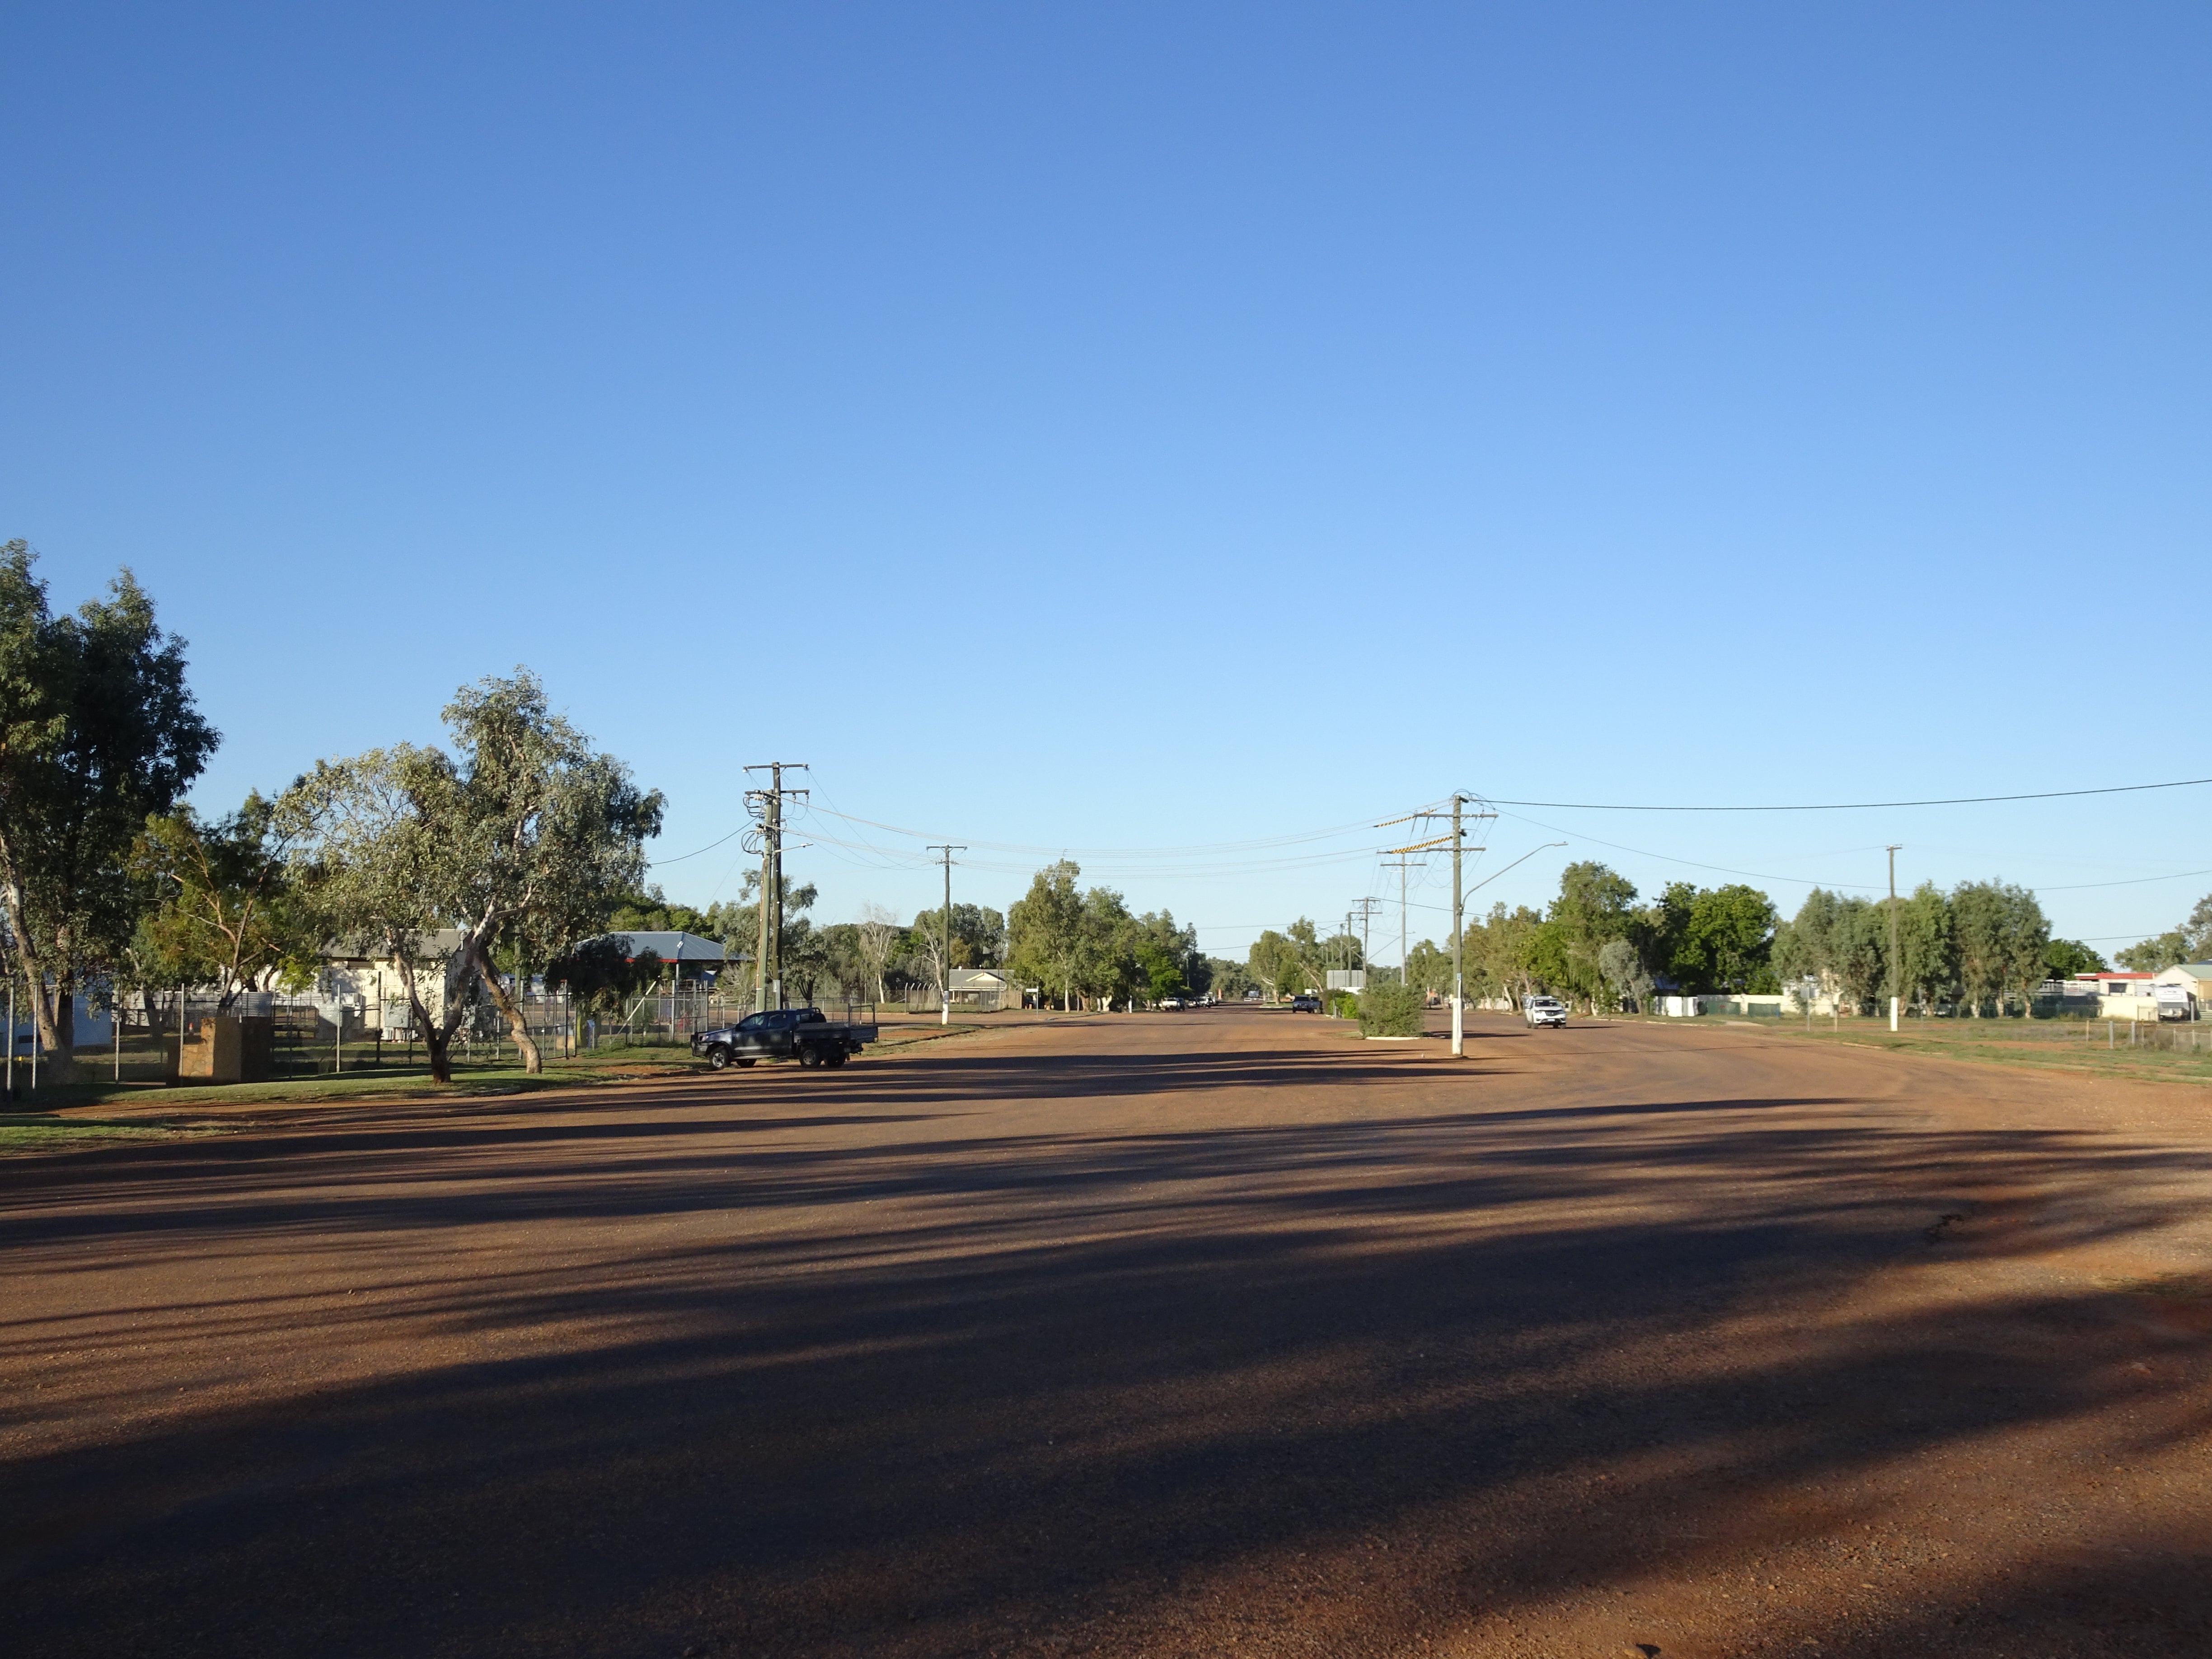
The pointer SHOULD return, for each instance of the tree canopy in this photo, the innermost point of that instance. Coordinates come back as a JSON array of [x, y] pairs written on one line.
[[224, 909], [519, 839], [98, 733]]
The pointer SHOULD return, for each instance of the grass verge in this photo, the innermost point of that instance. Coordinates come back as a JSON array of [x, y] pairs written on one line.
[[42, 1131], [148, 1100], [2048, 1045]]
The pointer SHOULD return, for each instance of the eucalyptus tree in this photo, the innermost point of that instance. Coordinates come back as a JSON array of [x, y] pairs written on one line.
[[98, 732], [1858, 949], [1731, 935], [519, 840], [1926, 949], [1106, 962], [2062, 958], [1509, 948], [2189, 942], [1623, 968], [877, 936], [1595, 905], [225, 909], [1046, 929], [1272, 961], [1805, 946], [2002, 941], [2026, 943]]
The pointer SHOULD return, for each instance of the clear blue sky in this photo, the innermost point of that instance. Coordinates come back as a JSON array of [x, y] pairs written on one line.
[[1162, 426]]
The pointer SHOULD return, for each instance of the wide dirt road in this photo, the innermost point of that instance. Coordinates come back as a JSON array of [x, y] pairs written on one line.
[[1206, 1333]]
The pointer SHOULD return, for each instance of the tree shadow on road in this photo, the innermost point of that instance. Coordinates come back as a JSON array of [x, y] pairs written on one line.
[[1340, 1387]]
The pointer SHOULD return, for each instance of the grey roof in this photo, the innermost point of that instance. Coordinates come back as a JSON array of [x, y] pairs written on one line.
[[970, 975], [671, 946], [438, 942]]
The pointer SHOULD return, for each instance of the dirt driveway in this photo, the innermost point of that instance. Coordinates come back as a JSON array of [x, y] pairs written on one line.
[[1219, 1332]]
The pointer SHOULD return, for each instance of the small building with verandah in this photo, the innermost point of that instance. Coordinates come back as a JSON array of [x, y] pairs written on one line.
[[975, 990]]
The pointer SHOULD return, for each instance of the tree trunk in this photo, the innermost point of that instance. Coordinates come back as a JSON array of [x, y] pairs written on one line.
[[437, 1034], [58, 1033], [52, 1016], [518, 1027], [437, 1046]]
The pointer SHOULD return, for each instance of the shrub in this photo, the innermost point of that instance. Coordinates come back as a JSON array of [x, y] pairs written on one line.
[[1390, 1009]]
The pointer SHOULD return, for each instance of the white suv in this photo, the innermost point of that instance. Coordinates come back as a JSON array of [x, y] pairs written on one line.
[[1544, 1010]]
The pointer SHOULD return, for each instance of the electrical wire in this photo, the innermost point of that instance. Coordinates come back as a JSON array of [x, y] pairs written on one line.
[[1854, 805], [1223, 848], [656, 863], [1691, 863]]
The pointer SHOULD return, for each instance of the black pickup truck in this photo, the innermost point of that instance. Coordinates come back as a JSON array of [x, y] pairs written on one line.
[[805, 1034]]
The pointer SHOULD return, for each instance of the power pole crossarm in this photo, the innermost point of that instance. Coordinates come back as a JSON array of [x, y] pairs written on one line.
[[767, 971]]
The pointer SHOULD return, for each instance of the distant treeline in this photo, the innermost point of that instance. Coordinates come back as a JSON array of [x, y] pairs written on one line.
[[1976, 946]]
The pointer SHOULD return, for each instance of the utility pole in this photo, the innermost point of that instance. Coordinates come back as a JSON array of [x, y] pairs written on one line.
[[1457, 839], [768, 969], [1896, 967], [1366, 924], [1404, 936], [945, 1015], [1459, 938]]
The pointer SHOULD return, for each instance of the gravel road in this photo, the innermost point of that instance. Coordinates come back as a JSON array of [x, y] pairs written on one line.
[[1217, 1333]]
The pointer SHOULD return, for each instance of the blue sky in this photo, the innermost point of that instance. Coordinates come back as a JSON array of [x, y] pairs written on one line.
[[1163, 427]]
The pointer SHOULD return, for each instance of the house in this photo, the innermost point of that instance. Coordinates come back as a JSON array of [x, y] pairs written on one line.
[[93, 1028], [2122, 993], [985, 990], [355, 977], [2194, 977]]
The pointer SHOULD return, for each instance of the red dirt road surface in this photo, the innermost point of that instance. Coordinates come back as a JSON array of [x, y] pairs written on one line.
[[1219, 1332]]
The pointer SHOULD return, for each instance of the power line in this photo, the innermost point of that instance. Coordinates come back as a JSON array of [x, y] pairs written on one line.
[[1223, 848], [2132, 881], [709, 847], [1691, 863], [1854, 806]]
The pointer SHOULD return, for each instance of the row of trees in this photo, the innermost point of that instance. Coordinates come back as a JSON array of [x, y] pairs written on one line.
[[98, 733], [1596, 942], [874, 958], [1082, 942], [1976, 946], [1593, 941], [501, 851]]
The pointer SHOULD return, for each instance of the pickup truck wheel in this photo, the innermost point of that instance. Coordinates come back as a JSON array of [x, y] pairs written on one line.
[[809, 1056], [741, 1060], [717, 1058], [835, 1058]]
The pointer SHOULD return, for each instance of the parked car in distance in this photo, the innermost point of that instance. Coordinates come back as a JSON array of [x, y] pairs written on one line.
[[1544, 1010], [1303, 1004], [805, 1034], [1173, 1002]]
